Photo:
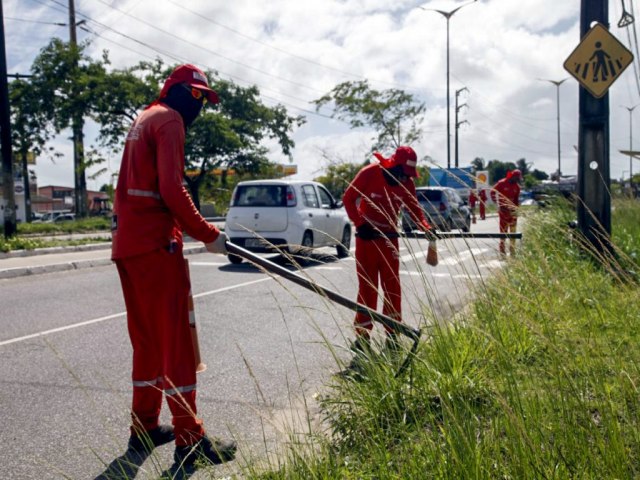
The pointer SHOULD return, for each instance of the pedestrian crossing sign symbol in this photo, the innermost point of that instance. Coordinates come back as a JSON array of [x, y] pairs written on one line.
[[598, 60]]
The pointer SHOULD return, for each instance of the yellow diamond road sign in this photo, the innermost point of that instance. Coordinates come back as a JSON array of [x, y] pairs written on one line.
[[598, 61]]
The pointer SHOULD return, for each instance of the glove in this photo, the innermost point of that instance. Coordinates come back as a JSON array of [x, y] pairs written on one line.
[[218, 245], [366, 232]]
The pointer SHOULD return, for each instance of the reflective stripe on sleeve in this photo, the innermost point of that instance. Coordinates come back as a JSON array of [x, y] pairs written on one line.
[[143, 193]]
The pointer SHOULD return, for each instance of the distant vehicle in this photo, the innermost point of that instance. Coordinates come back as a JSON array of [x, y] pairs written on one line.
[[36, 216], [287, 216], [65, 217], [49, 217], [444, 209], [460, 179]]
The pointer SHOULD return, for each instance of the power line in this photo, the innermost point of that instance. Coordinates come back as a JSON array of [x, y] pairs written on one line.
[[36, 21], [171, 34]]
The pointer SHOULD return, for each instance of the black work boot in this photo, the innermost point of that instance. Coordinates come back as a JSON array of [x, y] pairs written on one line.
[[392, 343], [361, 349], [214, 450], [147, 441]]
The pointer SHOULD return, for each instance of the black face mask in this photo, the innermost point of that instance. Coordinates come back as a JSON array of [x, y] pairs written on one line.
[[181, 100], [392, 175]]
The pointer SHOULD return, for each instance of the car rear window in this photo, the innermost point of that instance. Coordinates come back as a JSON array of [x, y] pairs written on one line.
[[260, 196], [429, 195]]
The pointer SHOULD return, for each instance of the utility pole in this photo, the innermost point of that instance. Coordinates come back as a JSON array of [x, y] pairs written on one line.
[[631, 109], [594, 198], [458, 92], [77, 123], [10, 227]]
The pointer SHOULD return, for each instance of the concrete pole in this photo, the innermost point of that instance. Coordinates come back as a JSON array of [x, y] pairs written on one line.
[[8, 195], [594, 198]]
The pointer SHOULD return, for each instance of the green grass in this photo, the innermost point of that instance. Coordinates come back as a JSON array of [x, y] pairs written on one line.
[[28, 234], [539, 379]]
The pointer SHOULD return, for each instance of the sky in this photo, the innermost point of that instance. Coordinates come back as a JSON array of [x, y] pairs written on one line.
[[502, 54]]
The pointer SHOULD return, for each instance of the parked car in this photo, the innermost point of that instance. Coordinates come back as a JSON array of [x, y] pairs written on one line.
[[65, 217], [286, 215], [444, 209], [49, 217]]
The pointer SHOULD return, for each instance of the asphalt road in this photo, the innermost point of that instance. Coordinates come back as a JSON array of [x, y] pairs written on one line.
[[65, 355]]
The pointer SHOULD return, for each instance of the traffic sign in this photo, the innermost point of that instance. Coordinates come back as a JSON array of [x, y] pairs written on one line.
[[598, 60]]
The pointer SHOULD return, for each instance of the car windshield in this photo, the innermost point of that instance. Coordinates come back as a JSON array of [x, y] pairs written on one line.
[[430, 195], [260, 196]]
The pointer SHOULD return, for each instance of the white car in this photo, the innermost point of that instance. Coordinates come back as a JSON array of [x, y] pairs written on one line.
[[286, 215]]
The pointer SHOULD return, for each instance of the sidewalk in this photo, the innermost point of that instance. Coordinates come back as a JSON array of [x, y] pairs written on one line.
[[58, 259], [19, 263]]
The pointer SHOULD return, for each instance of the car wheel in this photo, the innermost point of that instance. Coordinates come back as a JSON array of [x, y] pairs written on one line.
[[304, 252], [467, 225], [345, 244], [235, 259]]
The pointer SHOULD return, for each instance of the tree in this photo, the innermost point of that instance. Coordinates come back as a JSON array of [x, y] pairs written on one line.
[[65, 79], [231, 135], [393, 114], [478, 163], [498, 169], [29, 130], [338, 176]]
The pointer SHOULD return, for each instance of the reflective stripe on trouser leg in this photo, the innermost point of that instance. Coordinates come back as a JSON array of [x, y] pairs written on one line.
[[156, 290], [377, 260], [507, 224]]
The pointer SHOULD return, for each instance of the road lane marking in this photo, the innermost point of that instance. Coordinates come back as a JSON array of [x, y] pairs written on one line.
[[116, 315], [209, 264], [462, 256]]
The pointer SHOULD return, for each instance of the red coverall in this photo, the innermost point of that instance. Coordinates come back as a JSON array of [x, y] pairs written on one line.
[[505, 193], [377, 260], [151, 208], [472, 204], [483, 203]]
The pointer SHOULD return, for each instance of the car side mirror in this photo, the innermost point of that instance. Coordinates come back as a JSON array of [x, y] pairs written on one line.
[[338, 204]]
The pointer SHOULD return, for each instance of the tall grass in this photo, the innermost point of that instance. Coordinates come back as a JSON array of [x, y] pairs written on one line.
[[538, 379]]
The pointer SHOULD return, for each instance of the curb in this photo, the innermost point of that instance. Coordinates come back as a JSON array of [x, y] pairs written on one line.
[[77, 265], [49, 250]]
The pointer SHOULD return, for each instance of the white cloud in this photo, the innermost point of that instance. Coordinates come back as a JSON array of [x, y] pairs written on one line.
[[300, 50]]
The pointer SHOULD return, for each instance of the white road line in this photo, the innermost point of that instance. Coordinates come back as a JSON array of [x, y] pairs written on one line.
[[121, 314], [440, 275], [462, 256], [209, 264]]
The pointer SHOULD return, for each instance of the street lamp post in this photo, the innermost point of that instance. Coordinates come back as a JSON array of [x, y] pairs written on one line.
[[447, 16], [631, 109], [557, 83]]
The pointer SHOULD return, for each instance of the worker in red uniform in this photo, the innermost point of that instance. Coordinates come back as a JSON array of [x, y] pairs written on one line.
[[473, 199], [373, 201], [505, 194], [482, 201], [152, 207]]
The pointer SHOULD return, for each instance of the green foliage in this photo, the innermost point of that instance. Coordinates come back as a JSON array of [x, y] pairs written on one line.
[[20, 243], [232, 134], [394, 114], [538, 380], [338, 176], [92, 224]]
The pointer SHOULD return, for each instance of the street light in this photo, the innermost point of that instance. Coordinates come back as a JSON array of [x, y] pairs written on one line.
[[447, 16], [631, 109], [557, 83]]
